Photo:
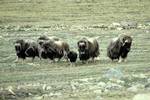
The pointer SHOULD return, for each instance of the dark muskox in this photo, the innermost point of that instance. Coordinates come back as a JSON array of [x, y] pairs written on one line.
[[42, 52], [119, 47], [45, 47], [26, 49], [72, 56], [48, 51], [53, 48], [88, 48]]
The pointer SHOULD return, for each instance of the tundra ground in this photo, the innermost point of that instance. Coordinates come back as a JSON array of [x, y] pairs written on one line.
[[71, 20]]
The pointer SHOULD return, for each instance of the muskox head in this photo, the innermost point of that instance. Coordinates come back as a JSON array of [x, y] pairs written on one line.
[[19, 45], [82, 46], [126, 41]]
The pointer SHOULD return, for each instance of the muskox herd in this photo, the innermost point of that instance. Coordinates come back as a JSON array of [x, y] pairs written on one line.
[[88, 48]]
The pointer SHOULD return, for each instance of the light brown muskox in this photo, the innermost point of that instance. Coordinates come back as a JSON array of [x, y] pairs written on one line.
[[119, 47], [88, 48], [61, 47]]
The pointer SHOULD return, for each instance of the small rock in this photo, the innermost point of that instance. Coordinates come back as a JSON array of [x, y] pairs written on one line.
[[55, 94], [147, 31], [119, 28], [84, 80], [98, 91], [142, 76], [48, 87], [142, 97], [117, 81], [116, 24], [101, 84], [139, 76], [44, 87], [128, 24], [94, 87], [113, 86], [132, 89], [106, 91]]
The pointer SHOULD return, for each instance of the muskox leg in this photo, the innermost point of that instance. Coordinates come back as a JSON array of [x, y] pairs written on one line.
[[121, 60], [51, 61], [65, 56], [40, 55], [85, 62], [23, 59], [58, 60], [33, 59], [93, 59], [67, 59], [115, 59], [54, 60], [72, 64], [17, 59]]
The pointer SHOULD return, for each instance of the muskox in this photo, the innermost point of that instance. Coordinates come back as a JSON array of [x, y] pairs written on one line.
[[26, 49], [88, 48], [72, 56], [46, 43], [48, 51], [119, 47], [52, 48], [42, 52]]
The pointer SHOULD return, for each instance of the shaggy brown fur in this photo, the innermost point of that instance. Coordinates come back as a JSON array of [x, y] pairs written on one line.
[[46, 46], [52, 47], [88, 48], [26, 49], [119, 47]]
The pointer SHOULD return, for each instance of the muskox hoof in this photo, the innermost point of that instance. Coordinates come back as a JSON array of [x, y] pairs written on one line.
[[93, 60], [51, 61], [32, 60], [122, 60], [85, 62], [73, 64], [16, 61]]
